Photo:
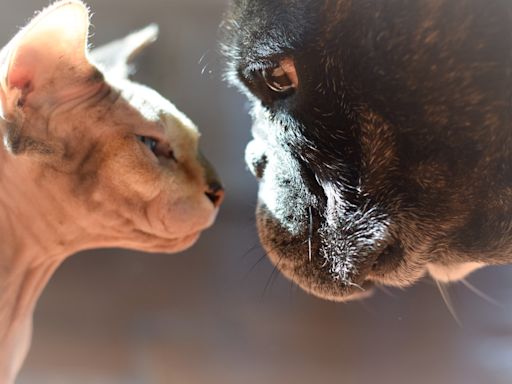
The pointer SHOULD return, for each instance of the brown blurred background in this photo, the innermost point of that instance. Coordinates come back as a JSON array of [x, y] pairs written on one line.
[[215, 314]]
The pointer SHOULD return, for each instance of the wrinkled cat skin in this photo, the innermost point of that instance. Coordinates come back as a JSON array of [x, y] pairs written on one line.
[[90, 160], [382, 136]]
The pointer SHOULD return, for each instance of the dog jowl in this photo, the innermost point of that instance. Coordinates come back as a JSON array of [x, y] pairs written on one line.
[[382, 136]]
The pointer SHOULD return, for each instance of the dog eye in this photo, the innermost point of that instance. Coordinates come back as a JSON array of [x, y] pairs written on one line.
[[282, 78]]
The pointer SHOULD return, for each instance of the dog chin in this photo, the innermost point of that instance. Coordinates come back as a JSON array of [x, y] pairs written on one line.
[[299, 258]]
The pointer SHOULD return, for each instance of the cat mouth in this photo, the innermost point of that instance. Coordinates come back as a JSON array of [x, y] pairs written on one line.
[[176, 244], [154, 243]]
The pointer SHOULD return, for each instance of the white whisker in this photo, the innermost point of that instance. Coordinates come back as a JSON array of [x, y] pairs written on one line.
[[387, 291], [448, 301], [481, 294], [310, 235]]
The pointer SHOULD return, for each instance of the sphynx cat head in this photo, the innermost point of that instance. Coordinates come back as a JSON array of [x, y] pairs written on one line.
[[107, 161]]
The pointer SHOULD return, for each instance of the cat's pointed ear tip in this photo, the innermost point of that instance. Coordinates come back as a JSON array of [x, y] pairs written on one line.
[[62, 12], [139, 40], [66, 3], [116, 57], [60, 3], [151, 32]]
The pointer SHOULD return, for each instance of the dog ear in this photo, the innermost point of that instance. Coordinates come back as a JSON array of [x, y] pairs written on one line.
[[116, 58], [46, 62]]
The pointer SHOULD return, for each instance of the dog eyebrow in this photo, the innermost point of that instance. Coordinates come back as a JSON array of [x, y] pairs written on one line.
[[250, 66], [247, 67]]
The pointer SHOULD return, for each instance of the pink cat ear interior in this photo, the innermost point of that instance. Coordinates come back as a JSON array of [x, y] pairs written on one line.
[[51, 48]]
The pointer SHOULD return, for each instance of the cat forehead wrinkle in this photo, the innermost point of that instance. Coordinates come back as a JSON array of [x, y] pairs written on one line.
[[19, 143], [152, 106]]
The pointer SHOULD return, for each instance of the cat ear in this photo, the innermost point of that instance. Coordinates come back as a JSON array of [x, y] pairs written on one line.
[[46, 59], [116, 58]]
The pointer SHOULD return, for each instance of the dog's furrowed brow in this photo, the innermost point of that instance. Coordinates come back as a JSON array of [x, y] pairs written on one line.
[[250, 44], [248, 67]]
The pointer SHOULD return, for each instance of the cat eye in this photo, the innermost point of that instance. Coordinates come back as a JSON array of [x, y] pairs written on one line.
[[281, 78], [159, 148], [149, 142]]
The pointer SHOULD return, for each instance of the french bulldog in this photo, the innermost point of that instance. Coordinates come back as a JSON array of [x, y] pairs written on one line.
[[89, 159], [382, 137]]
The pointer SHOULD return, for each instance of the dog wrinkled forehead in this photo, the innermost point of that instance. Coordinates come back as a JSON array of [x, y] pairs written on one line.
[[261, 29]]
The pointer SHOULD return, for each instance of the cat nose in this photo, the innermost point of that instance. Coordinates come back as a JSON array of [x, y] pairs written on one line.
[[215, 193], [214, 189]]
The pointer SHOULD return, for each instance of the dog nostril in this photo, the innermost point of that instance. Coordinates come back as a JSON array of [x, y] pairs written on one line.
[[215, 193], [258, 166], [256, 158]]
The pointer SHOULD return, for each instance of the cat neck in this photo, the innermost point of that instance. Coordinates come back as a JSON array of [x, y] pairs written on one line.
[[31, 249], [22, 279], [20, 287]]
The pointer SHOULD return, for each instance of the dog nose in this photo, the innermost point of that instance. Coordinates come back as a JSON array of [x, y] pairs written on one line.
[[256, 158], [214, 189]]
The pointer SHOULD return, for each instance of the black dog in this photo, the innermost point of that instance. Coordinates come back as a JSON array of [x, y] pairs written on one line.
[[382, 136]]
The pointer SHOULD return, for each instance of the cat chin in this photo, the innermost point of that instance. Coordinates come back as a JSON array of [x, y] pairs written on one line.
[[173, 245], [184, 243], [149, 243]]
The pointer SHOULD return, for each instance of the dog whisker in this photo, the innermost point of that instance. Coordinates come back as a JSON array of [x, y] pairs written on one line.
[[293, 286], [481, 294], [443, 289], [350, 284], [367, 308], [250, 250], [272, 275], [310, 234], [263, 257], [386, 291], [260, 259], [203, 56]]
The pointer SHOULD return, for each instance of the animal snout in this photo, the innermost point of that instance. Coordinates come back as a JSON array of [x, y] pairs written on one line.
[[214, 189], [215, 193], [256, 158]]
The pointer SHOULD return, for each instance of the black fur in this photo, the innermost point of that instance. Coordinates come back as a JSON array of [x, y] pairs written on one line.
[[394, 153]]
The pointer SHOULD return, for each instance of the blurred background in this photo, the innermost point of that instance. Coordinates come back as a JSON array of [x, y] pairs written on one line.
[[218, 313]]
